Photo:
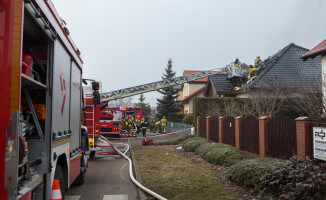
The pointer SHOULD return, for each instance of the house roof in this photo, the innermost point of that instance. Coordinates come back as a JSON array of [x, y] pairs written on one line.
[[219, 82], [187, 98], [187, 72], [317, 50], [286, 66]]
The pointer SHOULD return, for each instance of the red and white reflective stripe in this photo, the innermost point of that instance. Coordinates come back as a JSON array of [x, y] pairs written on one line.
[[170, 133], [56, 195]]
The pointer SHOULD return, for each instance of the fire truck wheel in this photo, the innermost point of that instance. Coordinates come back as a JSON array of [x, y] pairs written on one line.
[[81, 178], [59, 176]]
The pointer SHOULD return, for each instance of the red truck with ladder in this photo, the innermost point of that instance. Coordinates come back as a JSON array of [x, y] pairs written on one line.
[[42, 129]]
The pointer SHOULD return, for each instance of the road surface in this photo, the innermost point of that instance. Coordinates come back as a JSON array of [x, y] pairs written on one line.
[[107, 178]]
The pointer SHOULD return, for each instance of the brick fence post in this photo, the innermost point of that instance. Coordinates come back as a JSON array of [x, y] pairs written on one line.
[[263, 136], [220, 129], [198, 126], [238, 131], [303, 140], [208, 127]]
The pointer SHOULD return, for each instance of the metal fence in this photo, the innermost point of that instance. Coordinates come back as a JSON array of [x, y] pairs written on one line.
[[179, 128]]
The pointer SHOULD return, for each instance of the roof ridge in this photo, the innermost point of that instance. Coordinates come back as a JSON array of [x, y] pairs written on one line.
[[281, 52]]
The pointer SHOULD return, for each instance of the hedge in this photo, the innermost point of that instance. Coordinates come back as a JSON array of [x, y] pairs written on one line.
[[191, 144], [249, 172]]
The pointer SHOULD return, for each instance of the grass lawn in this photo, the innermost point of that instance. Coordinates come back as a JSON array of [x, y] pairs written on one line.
[[165, 171]]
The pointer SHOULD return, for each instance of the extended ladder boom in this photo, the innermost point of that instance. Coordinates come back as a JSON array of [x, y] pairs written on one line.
[[127, 92]]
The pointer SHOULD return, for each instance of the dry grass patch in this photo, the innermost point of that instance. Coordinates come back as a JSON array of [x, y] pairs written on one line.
[[174, 176]]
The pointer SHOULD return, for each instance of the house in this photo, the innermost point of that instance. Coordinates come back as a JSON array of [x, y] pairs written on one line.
[[319, 50], [285, 66], [189, 91]]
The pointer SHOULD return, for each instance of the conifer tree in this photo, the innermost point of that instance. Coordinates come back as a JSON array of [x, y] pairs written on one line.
[[167, 106]]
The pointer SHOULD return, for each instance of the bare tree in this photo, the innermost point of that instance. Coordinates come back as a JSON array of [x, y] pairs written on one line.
[[311, 100], [270, 98]]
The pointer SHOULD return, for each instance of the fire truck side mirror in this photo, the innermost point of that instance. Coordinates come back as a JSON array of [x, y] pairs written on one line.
[[95, 85], [96, 98]]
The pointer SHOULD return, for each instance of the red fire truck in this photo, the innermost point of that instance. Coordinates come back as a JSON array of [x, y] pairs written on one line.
[[111, 119], [43, 137]]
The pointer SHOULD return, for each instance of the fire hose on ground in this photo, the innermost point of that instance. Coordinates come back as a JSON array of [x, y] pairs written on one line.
[[157, 196]]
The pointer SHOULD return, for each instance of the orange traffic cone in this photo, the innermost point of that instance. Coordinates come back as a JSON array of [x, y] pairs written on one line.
[[56, 193]]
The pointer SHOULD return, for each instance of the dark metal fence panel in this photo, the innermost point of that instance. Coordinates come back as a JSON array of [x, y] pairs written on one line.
[[281, 137], [202, 127], [214, 129], [229, 131], [250, 135]]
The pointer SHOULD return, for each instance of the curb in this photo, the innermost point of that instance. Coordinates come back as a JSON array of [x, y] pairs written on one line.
[[141, 193]]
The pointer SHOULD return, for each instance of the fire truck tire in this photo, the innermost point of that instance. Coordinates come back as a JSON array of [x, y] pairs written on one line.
[[80, 179], [59, 176]]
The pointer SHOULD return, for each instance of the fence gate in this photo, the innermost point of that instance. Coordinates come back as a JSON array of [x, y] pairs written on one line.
[[202, 127], [229, 131], [250, 135], [214, 129], [281, 137]]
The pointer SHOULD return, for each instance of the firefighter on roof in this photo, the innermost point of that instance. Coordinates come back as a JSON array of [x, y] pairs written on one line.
[[143, 126], [163, 123], [237, 63], [257, 61], [252, 72]]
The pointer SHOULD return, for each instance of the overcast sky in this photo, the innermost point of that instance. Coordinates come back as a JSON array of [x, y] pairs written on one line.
[[126, 43]]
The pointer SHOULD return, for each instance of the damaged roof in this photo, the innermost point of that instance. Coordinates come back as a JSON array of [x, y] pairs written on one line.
[[286, 66]]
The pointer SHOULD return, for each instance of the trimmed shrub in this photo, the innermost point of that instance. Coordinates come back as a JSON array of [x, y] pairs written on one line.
[[174, 141], [188, 119], [204, 148], [249, 171], [295, 179], [191, 144], [225, 155]]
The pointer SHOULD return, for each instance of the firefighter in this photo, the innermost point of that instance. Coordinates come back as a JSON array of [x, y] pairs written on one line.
[[252, 72], [157, 126], [164, 123], [130, 123], [237, 63], [151, 125], [143, 125], [257, 61], [138, 123]]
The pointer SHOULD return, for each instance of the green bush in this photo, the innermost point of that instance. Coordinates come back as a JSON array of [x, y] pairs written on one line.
[[188, 119], [295, 179], [224, 155], [204, 148], [249, 171], [174, 141], [191, 144]]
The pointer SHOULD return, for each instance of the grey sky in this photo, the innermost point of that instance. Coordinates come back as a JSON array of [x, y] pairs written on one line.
[[128, 42]]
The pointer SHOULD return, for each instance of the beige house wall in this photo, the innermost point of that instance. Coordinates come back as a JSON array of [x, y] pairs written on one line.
[[189, 88], [323, 70], [189, 106]]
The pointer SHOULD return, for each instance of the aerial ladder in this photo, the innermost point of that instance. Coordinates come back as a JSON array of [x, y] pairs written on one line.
[[140, 89]]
